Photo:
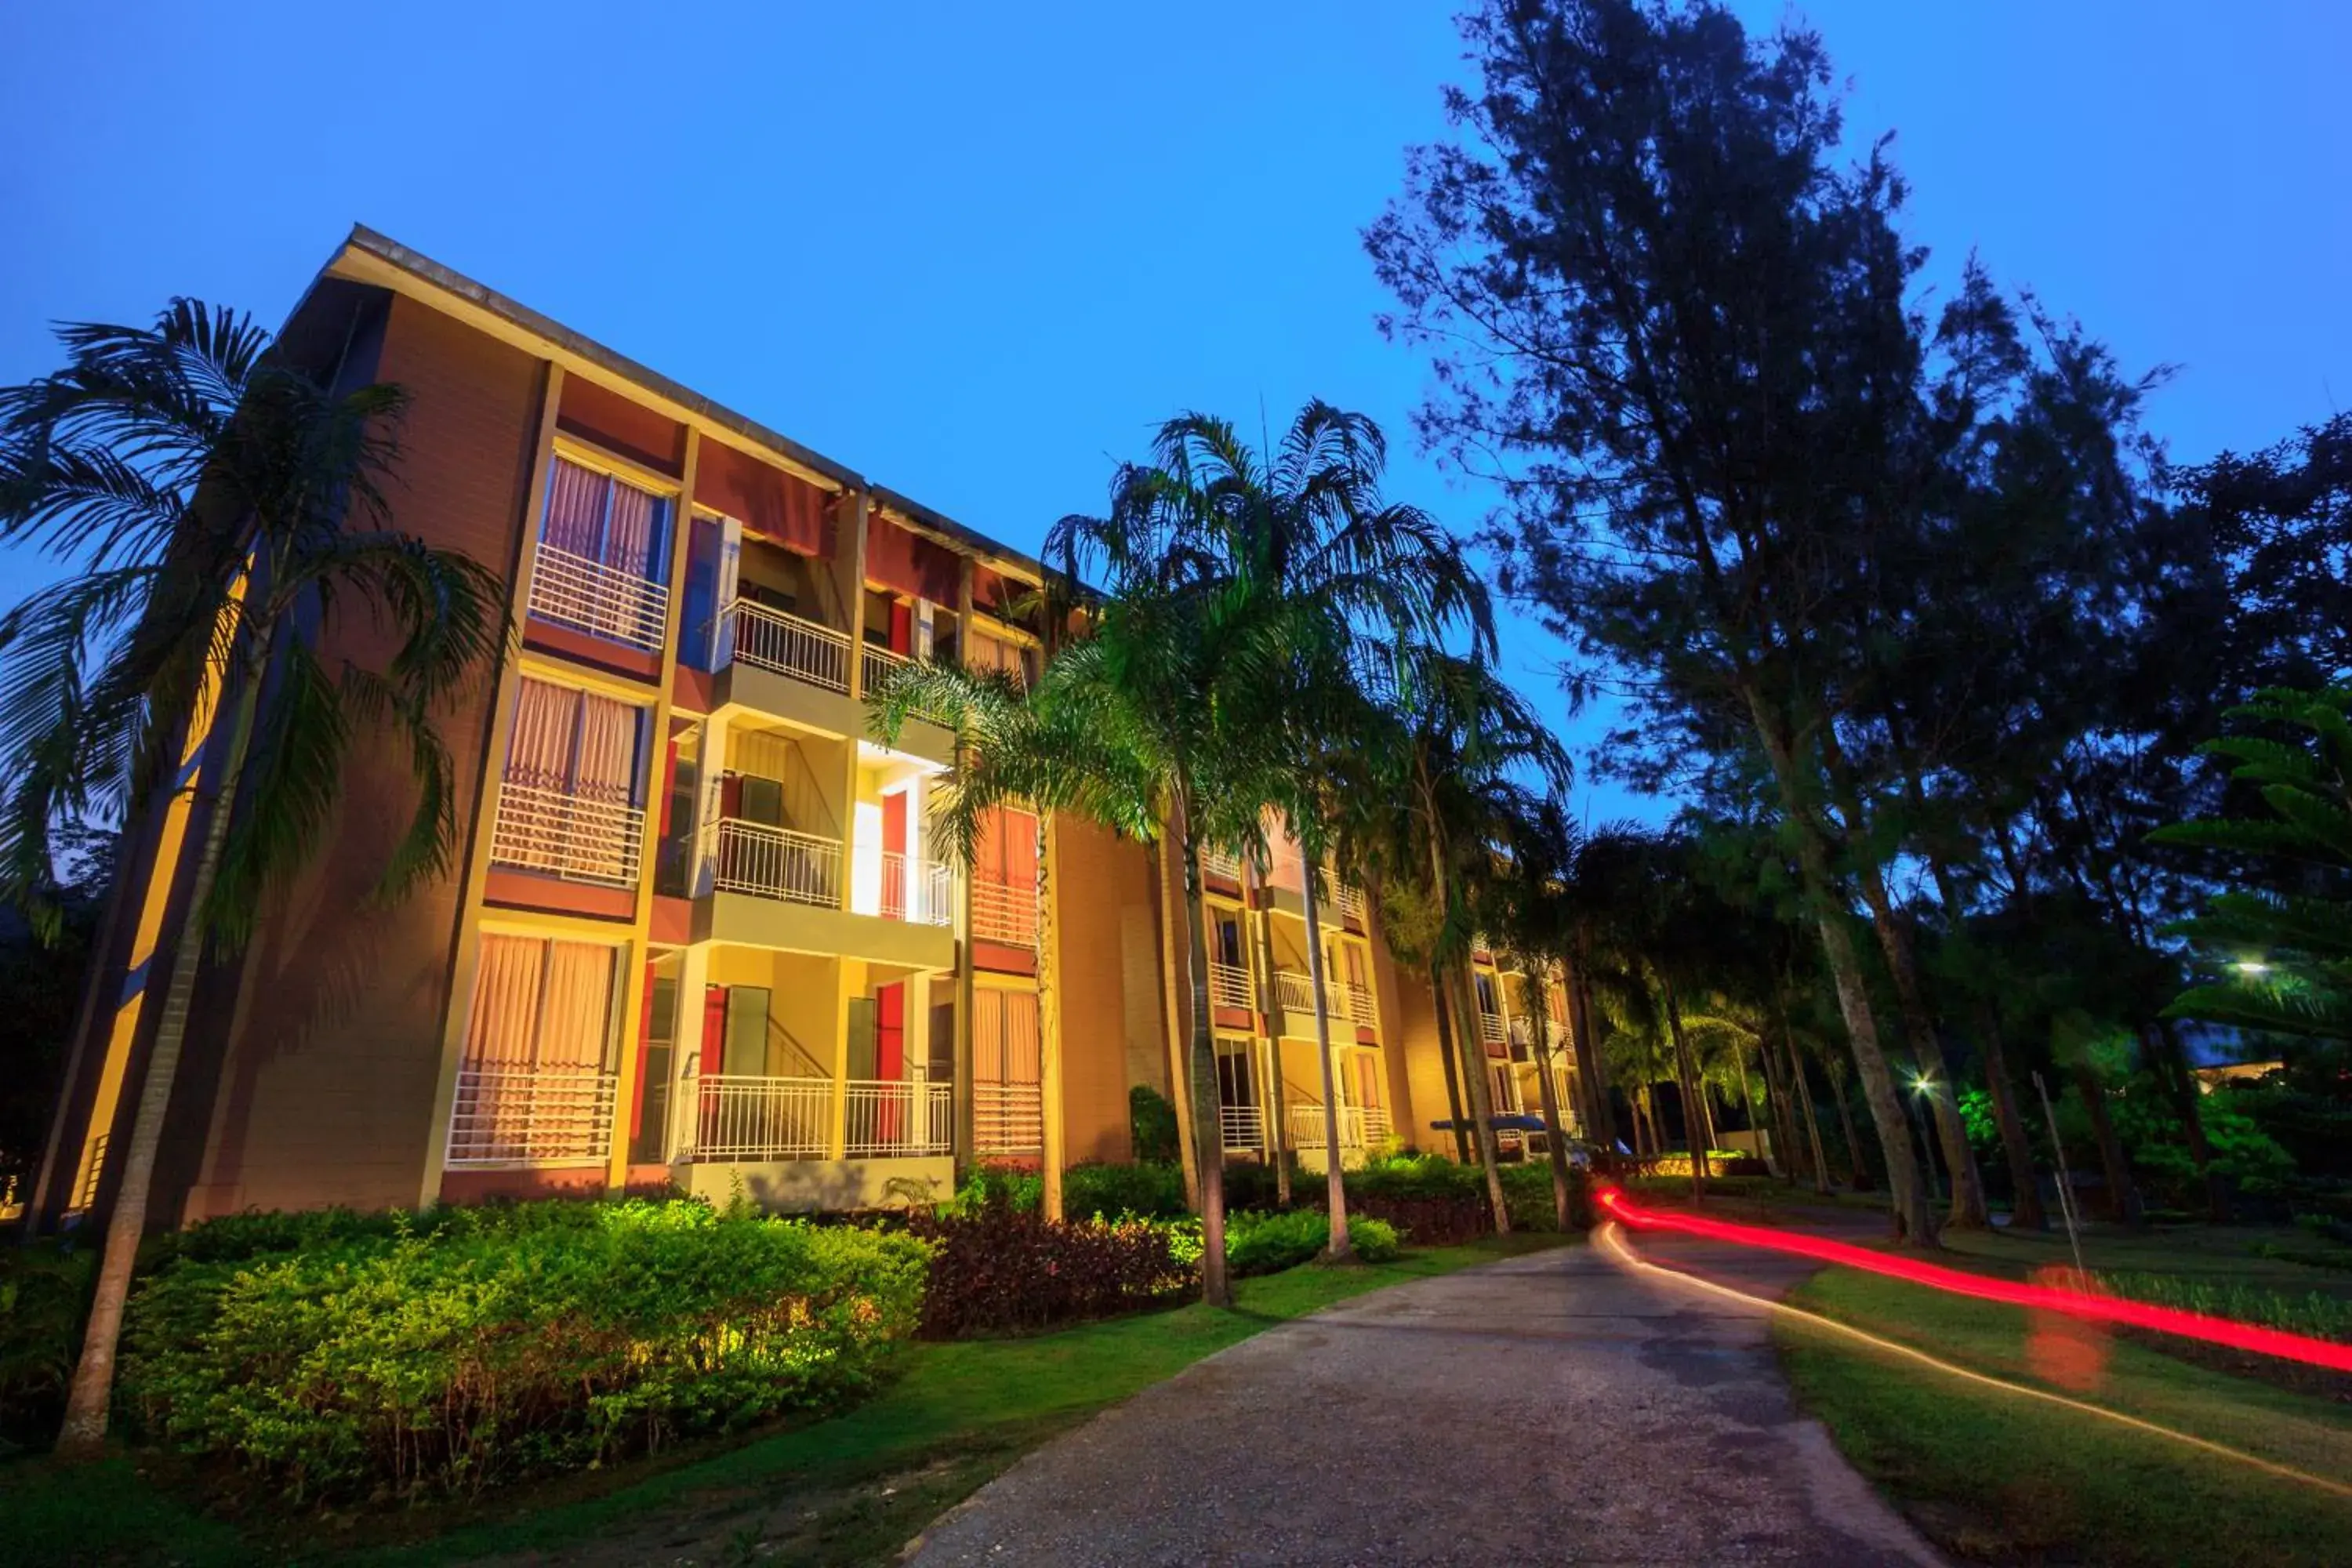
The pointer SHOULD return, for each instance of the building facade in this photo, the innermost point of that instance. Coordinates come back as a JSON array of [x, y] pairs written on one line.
[[697, 935]]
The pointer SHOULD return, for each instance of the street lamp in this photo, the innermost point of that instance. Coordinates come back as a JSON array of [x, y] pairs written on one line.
[[2251, 968]]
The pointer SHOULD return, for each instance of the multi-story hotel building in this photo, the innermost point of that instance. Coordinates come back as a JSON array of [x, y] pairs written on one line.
[[696, 934]]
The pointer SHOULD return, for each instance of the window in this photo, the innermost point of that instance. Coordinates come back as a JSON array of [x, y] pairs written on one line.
[[1229, 942], [568, 799], [1237, 1085], [602, 563], [1007, 1110], [537, 1084], [605, 520]]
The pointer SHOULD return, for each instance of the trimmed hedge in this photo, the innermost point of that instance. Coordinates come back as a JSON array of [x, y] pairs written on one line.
[[482, 1345], [999, 1268]]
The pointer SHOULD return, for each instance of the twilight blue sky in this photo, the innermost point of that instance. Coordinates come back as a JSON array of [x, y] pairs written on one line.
[[977, 252]]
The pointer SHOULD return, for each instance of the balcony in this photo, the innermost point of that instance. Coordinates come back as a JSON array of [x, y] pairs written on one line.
[[1490, 1028], [568, 835], [921, 892], [777, 863], [1004, 914], [743, 1118], [1294, 990], [788, 644], [531, 1116], [1229, 986], [1361, 1126], [896, 1120], [1222, 863], [569, 590], [876, 666], [1352, 903], [1007, 1118], [1243, 1128]]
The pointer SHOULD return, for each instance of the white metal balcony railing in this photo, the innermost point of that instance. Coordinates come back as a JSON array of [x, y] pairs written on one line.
[[1351, 903], [1294, 990], [777, 863], [885, 1120], [1244, 1126], [1006, 1117], [1306, 1126], [1522, 1032], [787, 644], [876, 663], [1220, 863], [1490, 1028], [744, 1117], [1360, 1002], [568, 835], [520, 1115], [588, 596], [919, 892], [1229, 986], [1005, 913], [1377, 1127]]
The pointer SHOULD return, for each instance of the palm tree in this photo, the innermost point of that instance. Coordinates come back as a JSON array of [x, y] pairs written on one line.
[[1174, 676], [1469, 741], [1336, 578], [1024, 748], [229, 516]]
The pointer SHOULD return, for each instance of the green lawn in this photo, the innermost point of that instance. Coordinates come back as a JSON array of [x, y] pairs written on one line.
[[1993, 1478], [849, 1491]]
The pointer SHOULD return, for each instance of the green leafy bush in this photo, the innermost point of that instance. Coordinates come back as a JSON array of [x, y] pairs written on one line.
[[42, 1293], [998, 1267], [1152, 1122], [1269, 1243], [1109, 1192], [487, 1344]]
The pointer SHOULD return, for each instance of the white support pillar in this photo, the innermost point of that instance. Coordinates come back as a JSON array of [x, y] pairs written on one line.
[[687, 1046]]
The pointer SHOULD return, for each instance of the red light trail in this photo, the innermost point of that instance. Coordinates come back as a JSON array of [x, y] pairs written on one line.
[[2091, 1309]]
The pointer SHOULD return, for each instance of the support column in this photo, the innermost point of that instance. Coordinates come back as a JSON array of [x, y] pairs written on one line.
[[687, 1048]]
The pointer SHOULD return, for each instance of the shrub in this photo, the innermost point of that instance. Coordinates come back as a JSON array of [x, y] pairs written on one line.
[[997, 1267], [1269, 1243], [42, 1293], [989, 1185], [1152, 1122], [489, 1344], [1109, 1192]]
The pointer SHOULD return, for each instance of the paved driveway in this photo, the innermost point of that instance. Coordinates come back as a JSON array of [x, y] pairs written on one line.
[[1553, 1408]]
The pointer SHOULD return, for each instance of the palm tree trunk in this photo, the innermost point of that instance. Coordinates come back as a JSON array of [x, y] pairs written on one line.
[[1590, 1066], [1216, 1289], [1802, 1088], [1784, 1121], [1555, 1132], [1277, 1114], [1335, 1183], [1445, 1057], [88, 1401], [1482, 1104], [1694, 1108], [1049, 1030], [1175, 962]]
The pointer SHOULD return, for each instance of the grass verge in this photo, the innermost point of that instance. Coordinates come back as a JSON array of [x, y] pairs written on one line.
[[1993, 1478], [849, 1491]]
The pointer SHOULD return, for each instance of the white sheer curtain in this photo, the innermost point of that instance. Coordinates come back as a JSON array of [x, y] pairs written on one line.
[[541, 1004], [546, 731], [576, 499]]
